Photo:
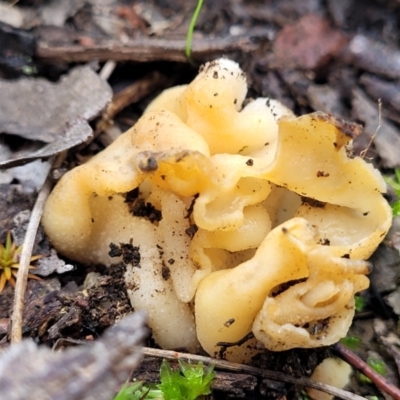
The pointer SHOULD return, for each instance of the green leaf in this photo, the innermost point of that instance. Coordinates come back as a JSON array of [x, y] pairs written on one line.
[[190, 382], [378, 366], [396, 208], [352, 342], [303, 395], [397, 173], [394, 183], [197, 379], [138, 391], [359, 303], [170, 382], [131, 392], [362, 378]]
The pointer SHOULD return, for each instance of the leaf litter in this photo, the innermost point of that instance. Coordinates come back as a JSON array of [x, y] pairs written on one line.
[[341, 75]]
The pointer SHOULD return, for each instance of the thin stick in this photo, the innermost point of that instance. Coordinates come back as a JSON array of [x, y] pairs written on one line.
[[364, 152], [23, 270], [133, 93], [274, 375], [153, 49], [362, 366], [107, 70]]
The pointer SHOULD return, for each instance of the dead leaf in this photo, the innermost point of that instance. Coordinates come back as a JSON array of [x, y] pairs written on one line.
[[75, 134], [309, 44], [31, 177], [37, 109]]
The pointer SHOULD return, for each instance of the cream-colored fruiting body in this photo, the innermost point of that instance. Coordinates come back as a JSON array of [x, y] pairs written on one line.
[[266, 220], [332, 371]]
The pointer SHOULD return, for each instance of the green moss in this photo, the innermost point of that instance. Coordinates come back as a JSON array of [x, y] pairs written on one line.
[[188, 383]]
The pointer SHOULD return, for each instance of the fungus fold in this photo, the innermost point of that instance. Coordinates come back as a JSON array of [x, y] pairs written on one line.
[[247, 218]]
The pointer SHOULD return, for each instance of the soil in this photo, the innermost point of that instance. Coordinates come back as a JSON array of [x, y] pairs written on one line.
[[334, 56]]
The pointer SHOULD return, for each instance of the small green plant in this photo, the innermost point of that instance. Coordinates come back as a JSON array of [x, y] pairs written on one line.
[[352, 342], [359, 303], [192, 24], [304, 395], [378, 366], [9, 262], [394, 182], [188, 383], [138, 391]]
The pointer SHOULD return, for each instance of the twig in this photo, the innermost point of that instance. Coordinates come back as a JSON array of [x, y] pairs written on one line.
[[145, 49], [107, 70], [13, 3], [23, 270], [134, 92], [274, 375], [362, 366], [131, 94], [364, 152]]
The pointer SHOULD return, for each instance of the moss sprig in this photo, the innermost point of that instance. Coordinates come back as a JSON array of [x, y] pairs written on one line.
[[9, 262], [189, 382]]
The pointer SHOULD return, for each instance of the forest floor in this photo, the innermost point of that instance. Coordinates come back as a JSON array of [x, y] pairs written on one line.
[[335, 56]]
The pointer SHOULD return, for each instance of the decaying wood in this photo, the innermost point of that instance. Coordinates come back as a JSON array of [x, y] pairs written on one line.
[[92, 372], [237, 385]]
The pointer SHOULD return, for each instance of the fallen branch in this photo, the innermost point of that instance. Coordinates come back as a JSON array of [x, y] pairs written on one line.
[[149, 49]]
